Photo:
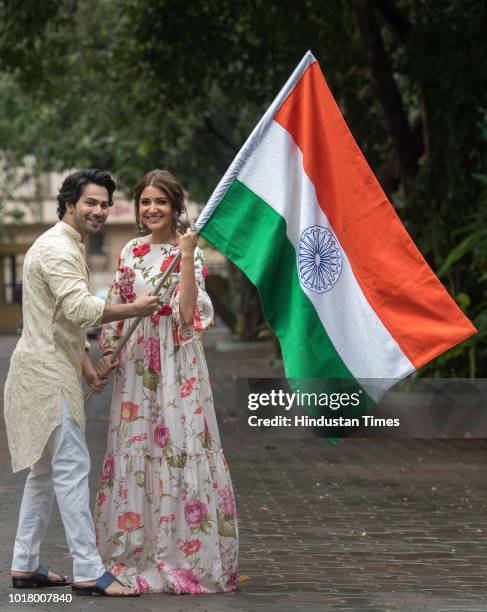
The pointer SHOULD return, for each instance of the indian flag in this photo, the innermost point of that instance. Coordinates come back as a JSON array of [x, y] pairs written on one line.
[[342, 284]]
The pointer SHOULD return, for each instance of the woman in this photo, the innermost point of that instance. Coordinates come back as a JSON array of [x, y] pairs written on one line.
[[165, 510]]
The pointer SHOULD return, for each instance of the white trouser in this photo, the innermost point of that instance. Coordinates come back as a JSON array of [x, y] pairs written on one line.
[[62, 471]]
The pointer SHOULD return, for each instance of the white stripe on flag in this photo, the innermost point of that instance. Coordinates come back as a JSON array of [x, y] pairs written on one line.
[[275, 173], [252, 141]]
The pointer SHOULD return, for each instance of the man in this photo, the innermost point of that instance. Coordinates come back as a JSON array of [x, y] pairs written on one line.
[[44, 411]]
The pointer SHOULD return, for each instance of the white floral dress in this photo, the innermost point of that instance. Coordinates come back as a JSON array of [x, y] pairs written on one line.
[[165, 510]]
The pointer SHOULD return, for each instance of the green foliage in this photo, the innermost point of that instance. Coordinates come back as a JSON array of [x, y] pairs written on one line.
[[131, 85]]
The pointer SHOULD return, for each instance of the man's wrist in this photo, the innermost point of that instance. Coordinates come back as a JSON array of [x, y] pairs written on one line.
[[135, 309]]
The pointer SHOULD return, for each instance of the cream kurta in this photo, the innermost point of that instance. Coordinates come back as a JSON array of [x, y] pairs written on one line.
[[56, 306]]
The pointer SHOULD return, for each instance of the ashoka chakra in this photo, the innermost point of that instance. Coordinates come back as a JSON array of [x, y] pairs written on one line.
[[319, 259]]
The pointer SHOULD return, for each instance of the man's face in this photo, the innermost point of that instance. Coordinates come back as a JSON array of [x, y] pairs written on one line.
[[90, 212]]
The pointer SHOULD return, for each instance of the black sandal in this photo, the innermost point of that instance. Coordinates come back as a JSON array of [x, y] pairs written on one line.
[[39, 579], [100, 587]]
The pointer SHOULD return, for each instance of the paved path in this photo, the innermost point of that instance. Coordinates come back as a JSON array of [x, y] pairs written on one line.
[[363, 525]]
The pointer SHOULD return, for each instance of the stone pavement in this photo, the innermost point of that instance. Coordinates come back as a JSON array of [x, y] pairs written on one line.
[[363, 525]]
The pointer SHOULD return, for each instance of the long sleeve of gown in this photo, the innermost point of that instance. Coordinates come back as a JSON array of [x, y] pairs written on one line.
[[203, 314]]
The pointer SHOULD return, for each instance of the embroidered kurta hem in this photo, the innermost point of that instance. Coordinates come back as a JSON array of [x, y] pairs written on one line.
[[165, 511]]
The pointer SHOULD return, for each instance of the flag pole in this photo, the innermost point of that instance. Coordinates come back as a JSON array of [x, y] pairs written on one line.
[[133, 326]]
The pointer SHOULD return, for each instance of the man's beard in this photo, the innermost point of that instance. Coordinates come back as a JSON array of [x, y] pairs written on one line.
[[92, 229]]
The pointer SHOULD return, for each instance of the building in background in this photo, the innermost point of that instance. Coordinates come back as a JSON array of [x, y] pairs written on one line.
[[36, 199]]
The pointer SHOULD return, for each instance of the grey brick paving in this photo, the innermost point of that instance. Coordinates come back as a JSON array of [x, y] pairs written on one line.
[[362, 525]]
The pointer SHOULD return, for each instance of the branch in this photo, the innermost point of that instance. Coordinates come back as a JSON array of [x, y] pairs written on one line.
[[210, 126], [394, 17], [390, 97]]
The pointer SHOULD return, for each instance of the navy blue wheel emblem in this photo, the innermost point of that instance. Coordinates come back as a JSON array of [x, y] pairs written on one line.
[[319, 259]]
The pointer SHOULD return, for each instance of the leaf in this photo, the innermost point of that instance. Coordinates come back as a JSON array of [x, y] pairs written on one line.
[[177, 461], [205, 439], [457, 253], [116, 538], [226, 528], [463, 300], [139, 367], [481, 177], [151, 379], [140, 478]]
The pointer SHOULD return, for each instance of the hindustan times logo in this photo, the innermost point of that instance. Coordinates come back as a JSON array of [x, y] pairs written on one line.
[[282, 399]]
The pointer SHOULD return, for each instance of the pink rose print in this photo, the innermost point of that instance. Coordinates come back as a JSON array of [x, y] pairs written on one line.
[[225, 464], [141, 249], [165, 311], [129, 521], [167, 262], [122, 489], [142, 584], [137, 550], [198, 325], [232, 582], [226, 501], [168, 518], [190, 546], [152, 354], [204, 270], [184, 581], [161, 436], [117, 569], [108, 468], [101, 498], [195, 511], [138, 438], [125, 284], [160, 565], [187, 388], [129, 411]]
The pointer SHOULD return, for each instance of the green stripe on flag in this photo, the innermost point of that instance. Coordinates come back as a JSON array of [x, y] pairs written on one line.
[[252, 235]]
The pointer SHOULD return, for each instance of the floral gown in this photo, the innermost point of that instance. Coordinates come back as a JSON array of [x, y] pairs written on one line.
[[165, 510]]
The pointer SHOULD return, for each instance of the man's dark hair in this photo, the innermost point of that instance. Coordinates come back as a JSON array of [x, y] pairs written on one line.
[[73, 185]]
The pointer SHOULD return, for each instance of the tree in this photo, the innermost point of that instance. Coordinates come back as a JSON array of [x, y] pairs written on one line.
[[137, 84]]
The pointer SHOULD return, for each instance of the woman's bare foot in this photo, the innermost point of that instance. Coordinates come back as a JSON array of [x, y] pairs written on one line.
[[50, 575], [115, 589]]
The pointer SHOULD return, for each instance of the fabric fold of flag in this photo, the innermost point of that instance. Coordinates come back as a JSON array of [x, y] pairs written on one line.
[[342, 284]]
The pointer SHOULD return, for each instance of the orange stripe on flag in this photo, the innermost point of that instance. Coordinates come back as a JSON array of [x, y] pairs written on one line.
[[396, 280]]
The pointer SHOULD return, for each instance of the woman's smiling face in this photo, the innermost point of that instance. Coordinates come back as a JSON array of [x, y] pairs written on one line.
[[155, 210]]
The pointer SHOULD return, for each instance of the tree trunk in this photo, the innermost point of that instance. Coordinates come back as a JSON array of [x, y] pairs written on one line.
[[403, 138]]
